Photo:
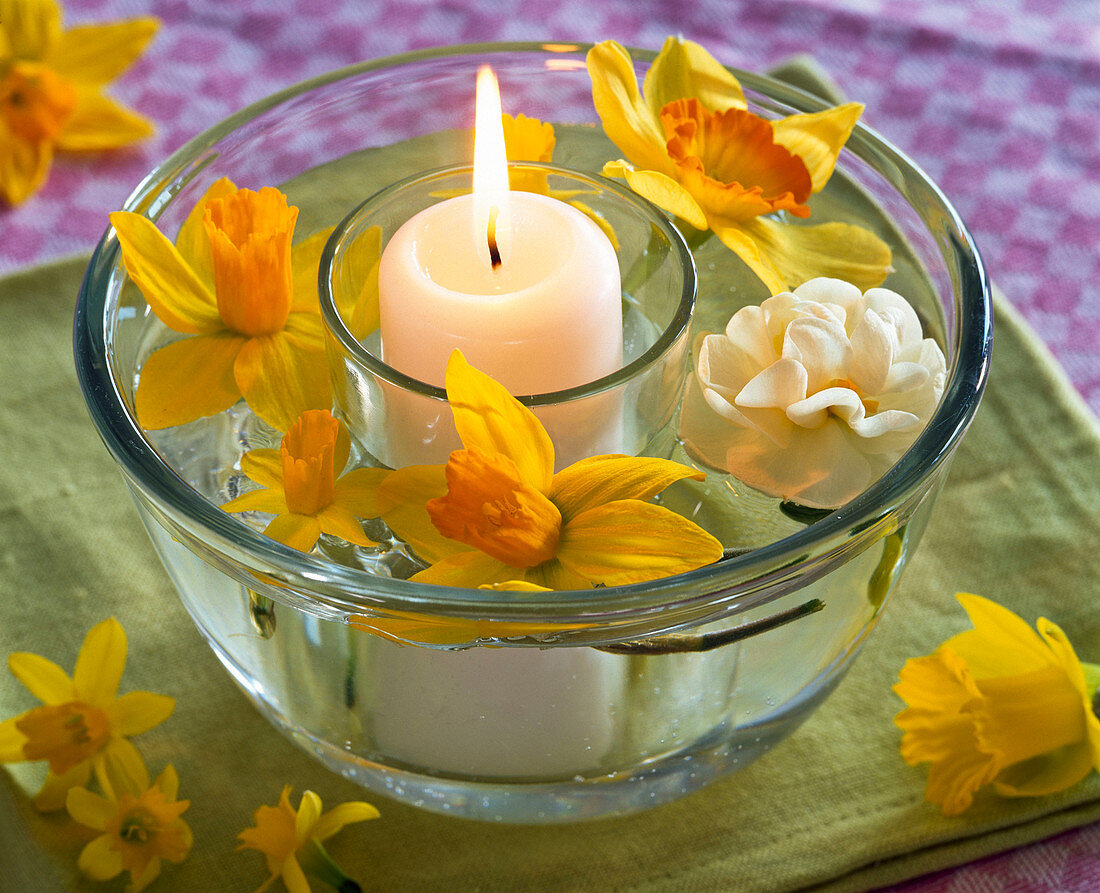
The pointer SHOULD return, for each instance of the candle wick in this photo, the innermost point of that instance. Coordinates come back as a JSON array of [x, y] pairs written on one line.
[[491, 233]]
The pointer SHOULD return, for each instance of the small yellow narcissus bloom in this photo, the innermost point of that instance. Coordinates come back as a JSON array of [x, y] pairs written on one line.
[[291, 840], [1001, 705], [140, 828], [83, 725]]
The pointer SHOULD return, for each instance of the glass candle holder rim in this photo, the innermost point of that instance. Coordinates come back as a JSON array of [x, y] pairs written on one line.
[[670, 334], [340, 588]]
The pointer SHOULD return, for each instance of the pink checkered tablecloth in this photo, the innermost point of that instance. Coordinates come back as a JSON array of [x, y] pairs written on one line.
[[998, 100]]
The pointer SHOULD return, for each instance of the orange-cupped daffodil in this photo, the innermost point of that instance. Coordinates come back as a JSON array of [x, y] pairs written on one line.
[[300, 484], [83, 724], [693, 148], [1001, 705], [51, 83], [140, 826], [497, 512], [247, 300], [291, 840]]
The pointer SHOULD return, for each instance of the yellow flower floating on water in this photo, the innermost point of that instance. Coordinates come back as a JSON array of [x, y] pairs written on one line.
[[83, 724], [694, 149], [291, 840], [301, 488], [50, 90], [497, 513], [141, 827], [1001, 705], [248, 300]]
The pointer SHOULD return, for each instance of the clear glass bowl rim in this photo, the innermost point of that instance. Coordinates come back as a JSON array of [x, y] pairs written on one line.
[[336, 589]]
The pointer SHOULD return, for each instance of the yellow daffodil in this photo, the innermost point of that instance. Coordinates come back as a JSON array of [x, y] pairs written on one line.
[[299, 485], [139, 829], [247, 299], [51, 90], [291, 840], [999, 705], [497, 513], [83, 724], [693, 148]]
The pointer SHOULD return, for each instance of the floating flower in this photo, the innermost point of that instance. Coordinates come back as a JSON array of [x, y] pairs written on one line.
[[83, 723], [814, 394], [497, 513], [248, 300], [999, 705], [50, 90], [300, 485], [140, 828], [695, 150], [291, 840]]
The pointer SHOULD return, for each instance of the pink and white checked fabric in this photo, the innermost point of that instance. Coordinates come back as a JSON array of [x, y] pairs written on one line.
[[999, 100]]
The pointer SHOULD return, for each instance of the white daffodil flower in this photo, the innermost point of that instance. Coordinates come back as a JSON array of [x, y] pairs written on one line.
[[814, 394]]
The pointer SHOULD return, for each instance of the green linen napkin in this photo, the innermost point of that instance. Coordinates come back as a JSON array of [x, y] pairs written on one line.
[[833, 807]]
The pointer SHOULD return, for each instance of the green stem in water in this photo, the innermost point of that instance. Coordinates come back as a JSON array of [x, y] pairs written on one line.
[[318, 863]]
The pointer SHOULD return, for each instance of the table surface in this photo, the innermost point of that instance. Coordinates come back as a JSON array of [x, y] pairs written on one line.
[[997, 100]]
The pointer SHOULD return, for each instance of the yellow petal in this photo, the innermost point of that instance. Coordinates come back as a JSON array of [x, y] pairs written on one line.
[[32, 27], [187, 380], [263, 500], [193, 242], [737, 240], [682, 70], [338, 521], [293, 877], [1047, 774], [52, 795], [305, 331], [90, 809], [357, 491], [630, 541], [138, 711], [174, 292], [265, 467], [555, 575], [602, 479], [97, 54], [818, 138], [121, 770], [305, 259], [626, 118], [300, 532], [402, 503], [309, 811], [99, 860], [23, 166], [662, 190], [98, 122], [468, 569], [359, 309], [1001, 643], [100, 663], [12, 741], [280, 383], [345, 814], [836, 250], [489, 418], [42, 677]]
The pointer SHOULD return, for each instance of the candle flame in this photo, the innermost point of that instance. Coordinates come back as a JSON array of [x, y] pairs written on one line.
[[490, 165]]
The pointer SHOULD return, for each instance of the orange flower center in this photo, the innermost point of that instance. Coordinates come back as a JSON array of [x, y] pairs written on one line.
[[35, 101], [308, 448], [731, 163], [250, 234], [145, 827], [65, 734], [489, 507]]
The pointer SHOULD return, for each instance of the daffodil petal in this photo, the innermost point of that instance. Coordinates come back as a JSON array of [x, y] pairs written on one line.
[[401, 502], [602, 479], [631, 541], [683, 69], [100, 663], [23, 166], [555, 575], [120, 769], [345, 814], [52, 795], [12, 741], [626, 118], [192, 241], [99, 860], [360, 310], [187, 380], [834, 250], [272, 501], [293, 877], [138, 711], [265, 467], [300, 532], [468, 569], [305, 260], [817, 138], [1047, 774], [309, 811], [139, 881], [357, 491], [665, 193], [1001, 643], [737, 240], [280, 383], [90, 809], [32, 29], [336, 520], [177, 296], [169, 782], [43, 678], [98, 122], [97, 54]]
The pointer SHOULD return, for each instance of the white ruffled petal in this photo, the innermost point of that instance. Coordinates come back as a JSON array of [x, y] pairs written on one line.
[[873, 346], [822, 347], [780, 384]]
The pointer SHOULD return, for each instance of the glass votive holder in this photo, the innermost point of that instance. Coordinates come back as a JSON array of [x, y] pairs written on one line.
[[400, 420]]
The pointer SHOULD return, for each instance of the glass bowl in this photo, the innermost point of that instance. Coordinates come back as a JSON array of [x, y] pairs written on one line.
[[518, 706]]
